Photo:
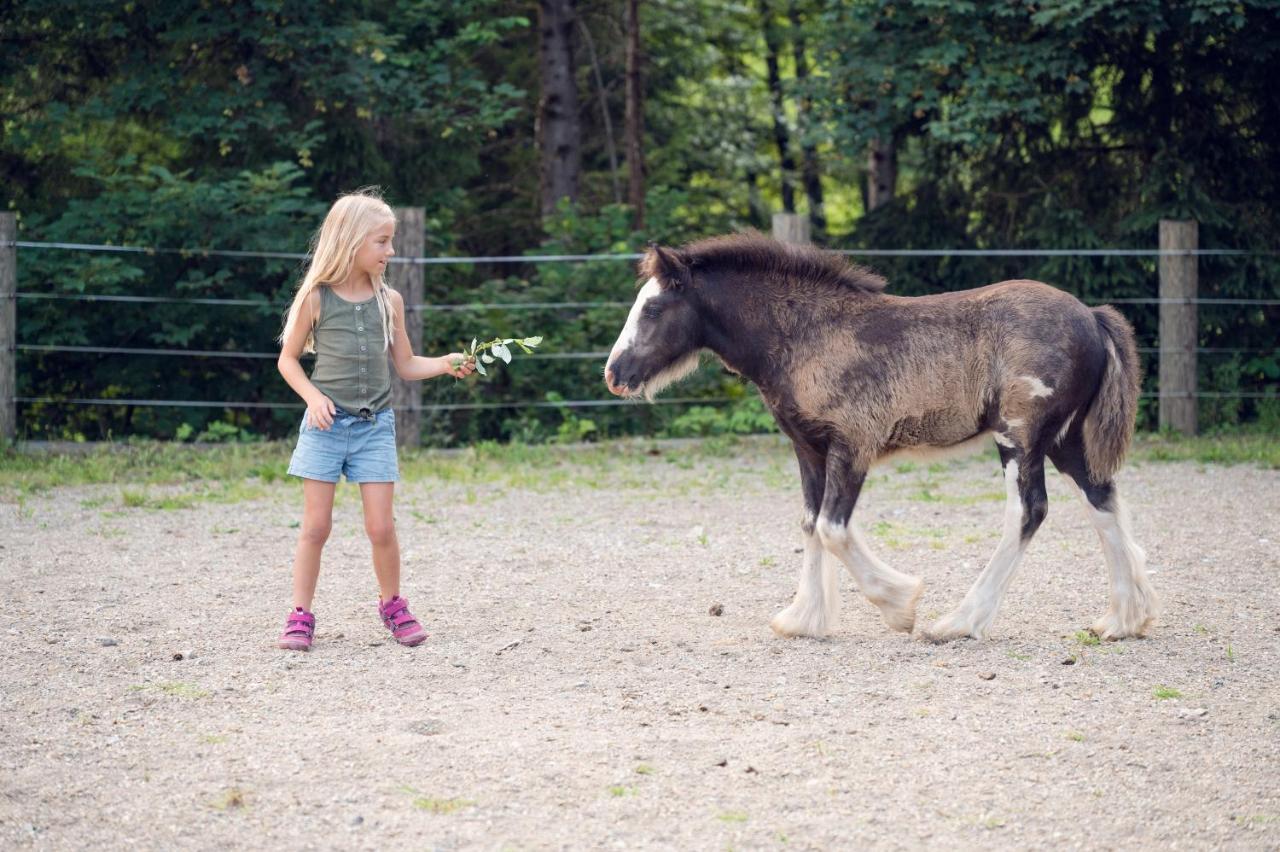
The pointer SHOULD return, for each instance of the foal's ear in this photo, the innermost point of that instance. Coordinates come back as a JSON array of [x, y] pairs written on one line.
[[670, 266]]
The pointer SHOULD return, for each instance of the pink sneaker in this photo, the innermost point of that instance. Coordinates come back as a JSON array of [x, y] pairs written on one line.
[[403, 626], [298, 630]]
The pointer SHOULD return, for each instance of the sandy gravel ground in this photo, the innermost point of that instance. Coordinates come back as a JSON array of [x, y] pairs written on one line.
[[576, 693]]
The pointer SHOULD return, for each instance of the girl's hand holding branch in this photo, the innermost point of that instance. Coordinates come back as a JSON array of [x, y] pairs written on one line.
[[460, 364]]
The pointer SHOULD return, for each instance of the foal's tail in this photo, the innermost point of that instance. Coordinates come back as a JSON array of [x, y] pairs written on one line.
[[1108, 425]]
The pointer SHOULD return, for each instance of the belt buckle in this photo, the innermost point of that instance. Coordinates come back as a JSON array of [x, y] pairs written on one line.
[[366, 414]]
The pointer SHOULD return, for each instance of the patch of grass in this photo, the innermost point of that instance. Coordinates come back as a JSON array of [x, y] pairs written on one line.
[[173, 501], [232, 799], [441, 806], [1231, 655], [732, 816], [1165, 692], [434, 805], [1075, 736], [927, 494], [213, 739], [1084, 637], [768, 562], [133, 499], [644, 769], [621, 791], [1255, 819], [139, 463], [1249, 445], [1016, 656]]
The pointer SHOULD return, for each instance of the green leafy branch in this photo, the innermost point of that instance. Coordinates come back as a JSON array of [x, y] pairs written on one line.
[[498, 348]]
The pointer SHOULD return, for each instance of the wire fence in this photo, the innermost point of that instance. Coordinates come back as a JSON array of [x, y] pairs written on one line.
[[264, 303]]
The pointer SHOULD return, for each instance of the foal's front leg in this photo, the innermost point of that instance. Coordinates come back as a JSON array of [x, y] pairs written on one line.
[[816, 607], [893, 592], [1025, 506]]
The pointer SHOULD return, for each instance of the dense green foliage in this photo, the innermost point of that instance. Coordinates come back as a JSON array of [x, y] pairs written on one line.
[[232, 124]]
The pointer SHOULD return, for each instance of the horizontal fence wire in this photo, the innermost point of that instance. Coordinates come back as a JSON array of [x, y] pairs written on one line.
[[627, 256], [262, 303], [225, 353], [568, 403], [536, 356], [538, 306], [458, 406]]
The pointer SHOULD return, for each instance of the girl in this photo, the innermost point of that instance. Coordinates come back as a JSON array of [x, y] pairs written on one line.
[[346, 314]]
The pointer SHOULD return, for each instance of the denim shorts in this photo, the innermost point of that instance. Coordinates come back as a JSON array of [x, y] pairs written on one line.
[[364, 449]]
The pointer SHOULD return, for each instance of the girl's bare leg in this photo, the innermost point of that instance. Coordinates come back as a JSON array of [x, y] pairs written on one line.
[[317, 520], [380, 525]]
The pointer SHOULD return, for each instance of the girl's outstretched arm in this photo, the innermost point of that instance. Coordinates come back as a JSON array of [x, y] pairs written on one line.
[[320, 409], [411, 367]]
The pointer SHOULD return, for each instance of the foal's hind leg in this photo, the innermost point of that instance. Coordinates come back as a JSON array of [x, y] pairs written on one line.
[[1134, 604], [893, 592], [1026, 504], [816, 607]]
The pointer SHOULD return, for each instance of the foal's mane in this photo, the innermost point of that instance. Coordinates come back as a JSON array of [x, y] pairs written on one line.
[[800, 266]]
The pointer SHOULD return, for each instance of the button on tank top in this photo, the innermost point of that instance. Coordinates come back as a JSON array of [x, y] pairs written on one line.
[[351, 365]]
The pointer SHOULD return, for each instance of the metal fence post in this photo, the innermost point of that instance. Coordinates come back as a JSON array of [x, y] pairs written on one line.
[[8, 326], [407, 278], [1179, 325], [790, 228]]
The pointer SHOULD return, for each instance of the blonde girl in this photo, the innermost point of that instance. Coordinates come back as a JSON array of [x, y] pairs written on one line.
[[345, 313]]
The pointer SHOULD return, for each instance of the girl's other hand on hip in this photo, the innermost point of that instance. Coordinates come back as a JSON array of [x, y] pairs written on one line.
[[320, 413]]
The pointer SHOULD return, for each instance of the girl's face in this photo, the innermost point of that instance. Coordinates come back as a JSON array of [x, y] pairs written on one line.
[[376, 252]]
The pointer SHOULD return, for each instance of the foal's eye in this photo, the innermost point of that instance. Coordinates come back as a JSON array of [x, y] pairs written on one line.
[[651, 311]]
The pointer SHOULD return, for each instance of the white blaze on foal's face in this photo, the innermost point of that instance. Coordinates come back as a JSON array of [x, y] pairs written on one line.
[[657, 345], [649, 291]]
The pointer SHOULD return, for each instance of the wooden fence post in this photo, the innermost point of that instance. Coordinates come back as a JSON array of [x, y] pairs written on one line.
[[1179, 325], [790, 228], [8, 326], [407, 278]]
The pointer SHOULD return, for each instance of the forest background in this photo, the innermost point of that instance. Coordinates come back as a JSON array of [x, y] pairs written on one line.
[[591, 128]]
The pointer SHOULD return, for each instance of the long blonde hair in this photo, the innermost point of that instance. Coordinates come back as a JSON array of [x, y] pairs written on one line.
[[351, 218]]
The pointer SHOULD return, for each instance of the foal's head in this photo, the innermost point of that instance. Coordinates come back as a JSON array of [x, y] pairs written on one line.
[[660, 342]]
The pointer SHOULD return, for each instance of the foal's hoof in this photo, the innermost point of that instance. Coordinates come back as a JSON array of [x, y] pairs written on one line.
[[800, 621], [901, 614], [951, 628], [1113, 626]]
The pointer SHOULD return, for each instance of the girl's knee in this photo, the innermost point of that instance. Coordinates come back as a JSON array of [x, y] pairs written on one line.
[[316, 532], [380, 532]]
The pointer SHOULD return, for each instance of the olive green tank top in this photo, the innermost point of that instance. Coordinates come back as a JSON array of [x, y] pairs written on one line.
[[351, 364]]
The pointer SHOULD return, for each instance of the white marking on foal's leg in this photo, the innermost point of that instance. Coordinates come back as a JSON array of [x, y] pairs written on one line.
[[1134, 604], [1062, 433], [816, 608], [1038, 388], [978, 609], [893, 592]]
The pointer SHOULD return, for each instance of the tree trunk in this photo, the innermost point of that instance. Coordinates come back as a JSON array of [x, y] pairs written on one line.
[[558, 130], [635, 116], [781, 136], [882, 173], [810, 175], [610, 146]]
